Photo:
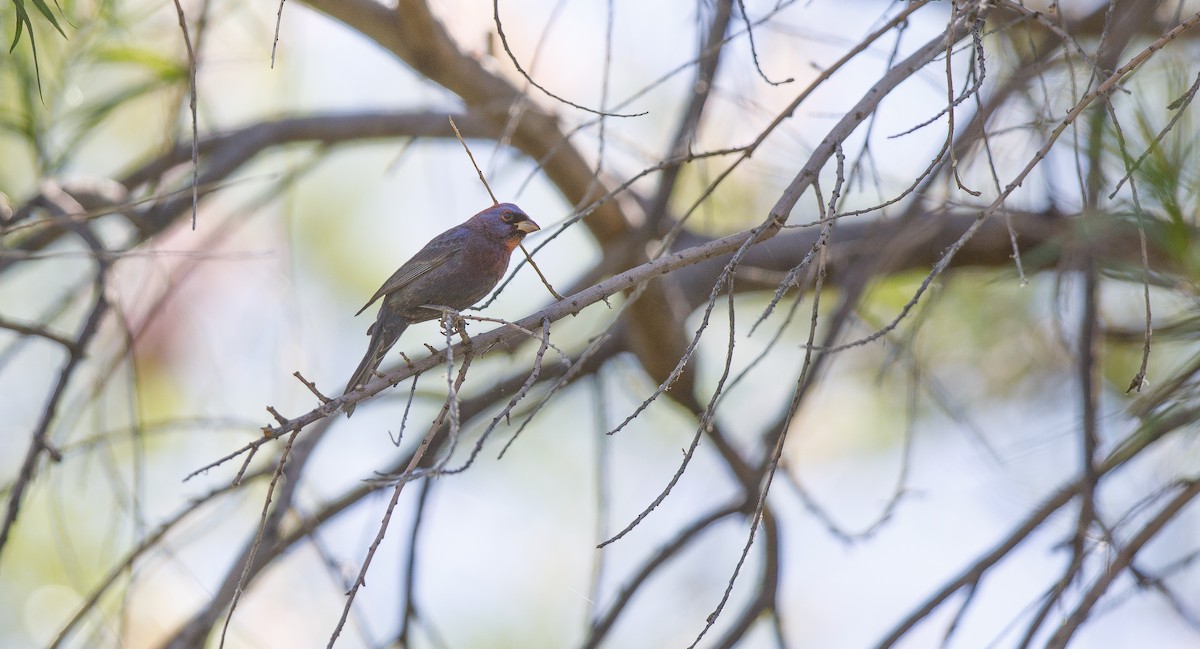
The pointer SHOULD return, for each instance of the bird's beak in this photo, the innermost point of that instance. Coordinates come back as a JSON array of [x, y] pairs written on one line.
[[527, 226]]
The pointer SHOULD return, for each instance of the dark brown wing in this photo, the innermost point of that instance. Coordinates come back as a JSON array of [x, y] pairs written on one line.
[[434, 254]]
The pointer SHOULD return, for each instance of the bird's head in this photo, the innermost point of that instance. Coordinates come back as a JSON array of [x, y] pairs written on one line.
[[505, 222]]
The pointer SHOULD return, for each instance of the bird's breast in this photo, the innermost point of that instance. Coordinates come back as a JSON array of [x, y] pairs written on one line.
[[489, 261]]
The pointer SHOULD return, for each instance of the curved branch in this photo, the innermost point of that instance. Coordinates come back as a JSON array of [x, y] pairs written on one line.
[[223, 154], [417, 37]]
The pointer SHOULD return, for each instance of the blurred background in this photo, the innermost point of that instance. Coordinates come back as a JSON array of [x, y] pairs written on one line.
[[990, 428]]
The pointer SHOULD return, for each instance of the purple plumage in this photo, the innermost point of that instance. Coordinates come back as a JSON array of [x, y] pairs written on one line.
[[455, 269]]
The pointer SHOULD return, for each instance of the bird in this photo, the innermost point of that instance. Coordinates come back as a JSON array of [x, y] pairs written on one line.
[[455, 269]]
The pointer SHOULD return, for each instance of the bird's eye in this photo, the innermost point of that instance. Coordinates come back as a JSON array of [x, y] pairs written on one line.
[[508, 217]]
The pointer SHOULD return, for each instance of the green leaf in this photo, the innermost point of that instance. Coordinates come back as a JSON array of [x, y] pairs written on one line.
[[24, 22], [22, 18], [45, 9]]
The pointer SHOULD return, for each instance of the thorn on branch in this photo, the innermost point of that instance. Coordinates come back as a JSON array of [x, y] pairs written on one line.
[[278, 417], [53, 451], [312, 387]]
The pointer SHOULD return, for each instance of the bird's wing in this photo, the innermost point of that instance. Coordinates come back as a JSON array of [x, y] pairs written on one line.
[[434, 254]]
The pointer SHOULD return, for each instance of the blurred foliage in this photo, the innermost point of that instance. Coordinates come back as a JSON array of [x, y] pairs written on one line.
[[1162, 195], [981, 334], [25, 24], [55, 98], [1163, 148], [987, 336]]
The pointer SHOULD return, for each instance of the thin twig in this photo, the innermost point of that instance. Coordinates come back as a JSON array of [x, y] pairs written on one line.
[[754, 48], [541, 276], [39, 441], [1178, 106], [258, 536], [665, 553], [470, 155], [278, 22], [704, 420], [948, 255], [1121, 562], [187, 41], [40, 332], [409, 474], [1139, 379], [483, 180], [513, 57]]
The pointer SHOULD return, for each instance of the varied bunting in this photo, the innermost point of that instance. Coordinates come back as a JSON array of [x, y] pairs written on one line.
[[455, 270]]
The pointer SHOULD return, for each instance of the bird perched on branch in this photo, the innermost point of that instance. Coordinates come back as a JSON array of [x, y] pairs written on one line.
[[455, 269]]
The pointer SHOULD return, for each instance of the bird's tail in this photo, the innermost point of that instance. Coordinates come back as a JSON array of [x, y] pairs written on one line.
[[383, 336]]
